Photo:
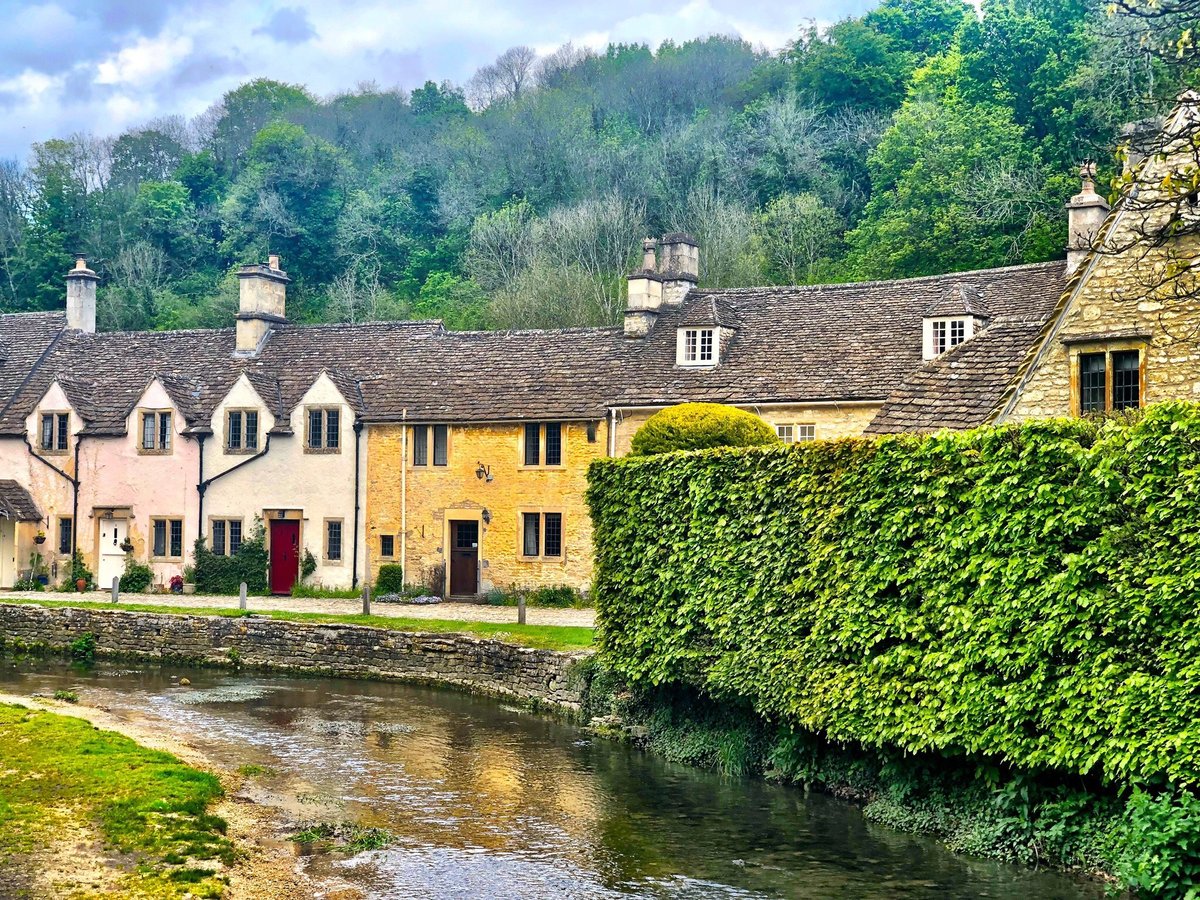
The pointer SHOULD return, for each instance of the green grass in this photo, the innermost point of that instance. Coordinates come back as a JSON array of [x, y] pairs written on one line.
[[546, 637], [61, 773]]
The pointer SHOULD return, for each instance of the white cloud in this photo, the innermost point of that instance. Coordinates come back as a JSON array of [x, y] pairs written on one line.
[[142, 62]]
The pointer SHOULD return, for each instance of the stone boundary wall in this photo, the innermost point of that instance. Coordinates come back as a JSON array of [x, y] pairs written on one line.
[[493, 668]]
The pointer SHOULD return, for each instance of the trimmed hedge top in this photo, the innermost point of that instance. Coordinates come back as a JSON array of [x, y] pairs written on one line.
[[1020, 595], [699, 426]]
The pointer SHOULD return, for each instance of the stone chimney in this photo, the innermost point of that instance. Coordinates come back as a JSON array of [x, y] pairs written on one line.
[[81, 297], [262, 303], [645, 295], [1086, 213], [680, 266]]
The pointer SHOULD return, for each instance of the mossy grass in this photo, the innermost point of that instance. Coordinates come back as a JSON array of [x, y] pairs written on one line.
[[544, 637], [61, 774]]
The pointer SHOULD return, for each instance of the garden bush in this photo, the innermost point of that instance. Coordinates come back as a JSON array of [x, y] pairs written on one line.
[[699, 426], [390, 580], [137, 577], [1024, 596]]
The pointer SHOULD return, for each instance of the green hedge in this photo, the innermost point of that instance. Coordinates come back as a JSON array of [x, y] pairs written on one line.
[[1023, 596]]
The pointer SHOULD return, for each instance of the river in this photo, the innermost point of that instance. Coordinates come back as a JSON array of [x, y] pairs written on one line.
[[485, 800]]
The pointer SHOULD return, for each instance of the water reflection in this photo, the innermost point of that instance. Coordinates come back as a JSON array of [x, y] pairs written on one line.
[[488, 801]]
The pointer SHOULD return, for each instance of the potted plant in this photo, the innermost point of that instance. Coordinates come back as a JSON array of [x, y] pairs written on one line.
[[189, 579], [127, 545], [38, 570], [40, 537], [176, 584]]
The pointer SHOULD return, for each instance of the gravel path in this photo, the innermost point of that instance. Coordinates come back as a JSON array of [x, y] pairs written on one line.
[[467, 612]]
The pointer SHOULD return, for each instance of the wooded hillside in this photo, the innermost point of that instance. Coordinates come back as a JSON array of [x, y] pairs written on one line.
[[919, 138]]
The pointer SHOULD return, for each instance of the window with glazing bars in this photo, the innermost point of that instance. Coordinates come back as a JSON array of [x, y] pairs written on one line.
[[333, 540], [552, 542], [156, 431], [541, 534], [168, 537], [531, 531], [56, 432], [553, 444], [441, 440], [324, 429], [1126, 377], [387, 545], [1091, 382], [64, 534], [242, 432], [420, 445], [533, 444]]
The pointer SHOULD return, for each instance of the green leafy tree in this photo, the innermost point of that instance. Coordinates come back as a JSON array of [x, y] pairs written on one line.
[[700, 426]]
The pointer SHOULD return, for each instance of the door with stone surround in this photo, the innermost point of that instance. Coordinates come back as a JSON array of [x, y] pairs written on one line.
[[8, 553], [285, 555], [464, 558], [113, 533]]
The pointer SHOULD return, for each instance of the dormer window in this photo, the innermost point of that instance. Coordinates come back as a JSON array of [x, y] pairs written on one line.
[[942, 335], [56, 432], [696, 347], [156, 431], [241, 431]]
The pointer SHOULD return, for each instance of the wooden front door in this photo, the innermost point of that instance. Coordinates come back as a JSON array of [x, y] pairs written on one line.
[[285, 555], [464, 559]]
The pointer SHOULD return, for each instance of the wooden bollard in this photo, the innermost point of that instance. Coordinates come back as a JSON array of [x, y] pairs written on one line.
[[366, 594], [521, 610], [242, 596], [116, 588]]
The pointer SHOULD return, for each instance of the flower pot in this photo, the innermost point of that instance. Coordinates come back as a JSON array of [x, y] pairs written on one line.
[[189, 588], [43, 580], [127, 546], [40, 539], [80, 584]]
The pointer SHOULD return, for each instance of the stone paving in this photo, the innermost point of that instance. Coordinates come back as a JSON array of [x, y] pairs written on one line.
[[466, 612]]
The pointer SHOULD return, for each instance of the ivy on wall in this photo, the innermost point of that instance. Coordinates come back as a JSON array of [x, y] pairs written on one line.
[[1022, 595], [225, 574]]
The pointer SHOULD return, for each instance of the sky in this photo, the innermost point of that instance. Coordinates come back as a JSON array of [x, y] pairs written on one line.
[[107, 65]]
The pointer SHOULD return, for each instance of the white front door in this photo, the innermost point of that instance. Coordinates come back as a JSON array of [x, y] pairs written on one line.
[[113, 533], [8, 553]]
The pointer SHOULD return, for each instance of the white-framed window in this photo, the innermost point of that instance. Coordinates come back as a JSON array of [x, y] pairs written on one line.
[[167, 538], [696, 347], [796, 433], [542, 535], [56, 432], [156, 431], [946, 334], [226, 536], [324, 430], [241, 430]]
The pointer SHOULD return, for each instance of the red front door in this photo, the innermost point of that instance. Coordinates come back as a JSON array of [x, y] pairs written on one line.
[[285, 555]]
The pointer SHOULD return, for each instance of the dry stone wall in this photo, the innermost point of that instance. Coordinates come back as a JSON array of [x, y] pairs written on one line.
[[494, 668]]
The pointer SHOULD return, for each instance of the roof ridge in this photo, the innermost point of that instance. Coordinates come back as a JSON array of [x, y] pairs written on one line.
[[842, 285], [576, 329]]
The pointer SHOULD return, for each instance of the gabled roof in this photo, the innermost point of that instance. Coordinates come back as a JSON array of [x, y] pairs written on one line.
[[841, 342], [15, 503], [24, 340], [960, 299]]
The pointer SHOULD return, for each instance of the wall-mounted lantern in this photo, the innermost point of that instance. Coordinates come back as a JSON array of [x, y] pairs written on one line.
[[483, 473]]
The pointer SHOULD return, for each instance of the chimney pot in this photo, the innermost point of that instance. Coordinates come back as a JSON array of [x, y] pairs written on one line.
[[273, 262], [649, 263], [1086, 212]]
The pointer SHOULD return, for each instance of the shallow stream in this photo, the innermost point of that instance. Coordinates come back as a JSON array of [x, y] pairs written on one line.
[[485, 800]]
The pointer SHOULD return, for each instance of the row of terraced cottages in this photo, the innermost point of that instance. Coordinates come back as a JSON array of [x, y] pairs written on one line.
[[463, 455]]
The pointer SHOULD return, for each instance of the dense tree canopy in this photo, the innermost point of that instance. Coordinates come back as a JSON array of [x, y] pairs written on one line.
[[920, 137]]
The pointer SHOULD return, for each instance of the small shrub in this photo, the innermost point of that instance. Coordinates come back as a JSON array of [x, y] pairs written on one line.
[[78, 570], [559, 597], [66, 696], [83, 648], [698, 426], [137, 577], [390, 580], [28, 585], [308, 565]]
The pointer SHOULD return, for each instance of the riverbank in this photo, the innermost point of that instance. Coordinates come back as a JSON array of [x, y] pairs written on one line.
[[99, 805], [322, 645], [447, 612], [537, 636]]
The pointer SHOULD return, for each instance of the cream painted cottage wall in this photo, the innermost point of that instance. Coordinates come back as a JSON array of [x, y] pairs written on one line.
[[118, 475], [318, 486]]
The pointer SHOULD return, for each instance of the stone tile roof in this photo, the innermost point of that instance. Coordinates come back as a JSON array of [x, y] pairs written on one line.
[[965, 386], [24, 339], [825, 342], [796, 344], [15, 503]]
